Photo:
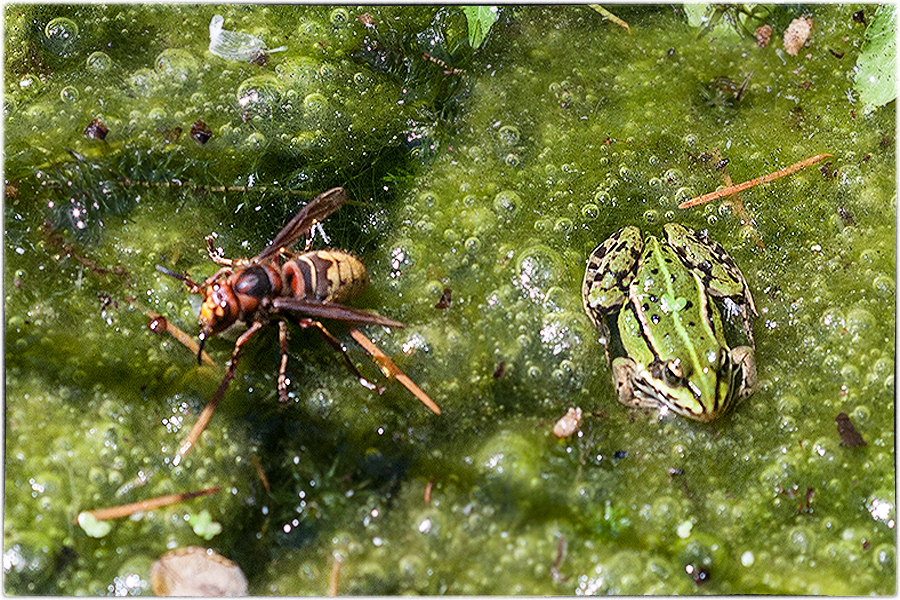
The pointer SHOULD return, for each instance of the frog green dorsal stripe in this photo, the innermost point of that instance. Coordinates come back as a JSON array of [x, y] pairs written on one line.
[[668, 349], [670, 297]]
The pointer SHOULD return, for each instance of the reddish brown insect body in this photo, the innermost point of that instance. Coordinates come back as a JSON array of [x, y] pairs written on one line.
[[276, 286]]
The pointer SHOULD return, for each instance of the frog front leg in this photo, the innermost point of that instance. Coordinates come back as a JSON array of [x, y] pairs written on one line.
[[624, 373]]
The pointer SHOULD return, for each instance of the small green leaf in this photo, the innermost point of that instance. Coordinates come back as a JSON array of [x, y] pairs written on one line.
[[204, 526], [877, 62], [480, 20], [93, 527], [697, 14]]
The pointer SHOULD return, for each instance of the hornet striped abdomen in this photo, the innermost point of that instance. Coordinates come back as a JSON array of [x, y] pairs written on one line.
[[325, 276], [279, 287]]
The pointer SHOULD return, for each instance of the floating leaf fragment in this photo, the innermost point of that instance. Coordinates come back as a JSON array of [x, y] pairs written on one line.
[[849, 435], [236, 45], [204, 526], [611, 17], [568, 424], [196, 571], [797, 35], [92, 526], [876, 67], [480, 20]]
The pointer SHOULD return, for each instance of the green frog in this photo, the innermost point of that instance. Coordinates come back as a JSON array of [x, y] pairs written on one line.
[[660, 307]]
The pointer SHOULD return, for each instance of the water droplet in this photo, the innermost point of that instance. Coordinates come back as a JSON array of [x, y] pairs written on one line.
[[99, 62], [61, 36]]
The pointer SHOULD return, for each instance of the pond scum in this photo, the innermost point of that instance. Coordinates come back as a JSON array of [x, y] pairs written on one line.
[[489, 172]]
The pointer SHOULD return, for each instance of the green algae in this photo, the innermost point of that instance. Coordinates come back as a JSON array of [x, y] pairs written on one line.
[[496, 182]]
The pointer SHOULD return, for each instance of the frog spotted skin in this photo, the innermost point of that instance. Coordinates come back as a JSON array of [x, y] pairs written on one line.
[[667, 346]]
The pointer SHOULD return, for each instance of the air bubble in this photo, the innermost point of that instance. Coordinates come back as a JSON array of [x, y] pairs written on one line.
[[61, 36], [883, 285], [327, 72], [674, 176], [315, 103], [507, 202], [68, 94], [255, 140], [590, 211], [176, 65], [260, 96], [98, 62], [142, 82], [563, 225], [683, 193], [427, 198], [509, 135], [339, 17]]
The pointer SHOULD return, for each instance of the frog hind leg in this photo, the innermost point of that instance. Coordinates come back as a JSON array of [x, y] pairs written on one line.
[[744, 361]]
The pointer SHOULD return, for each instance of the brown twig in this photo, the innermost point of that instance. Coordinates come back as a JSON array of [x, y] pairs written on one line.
[[335, 575], [392, 370], [428, 489], [125, 510], [753, 182]]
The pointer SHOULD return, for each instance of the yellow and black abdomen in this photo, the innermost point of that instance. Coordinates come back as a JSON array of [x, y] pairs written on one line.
[[324, 275]]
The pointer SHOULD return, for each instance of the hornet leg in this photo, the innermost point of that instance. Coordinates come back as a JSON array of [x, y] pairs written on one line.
[[210, 408]]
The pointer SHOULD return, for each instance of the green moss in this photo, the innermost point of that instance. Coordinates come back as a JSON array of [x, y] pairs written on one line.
[[496, 182]]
